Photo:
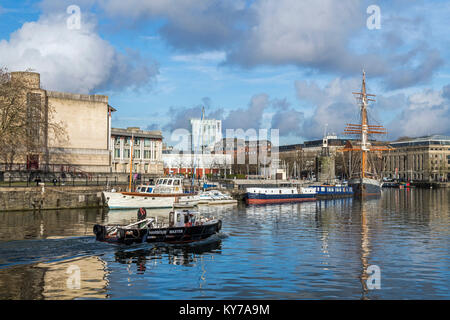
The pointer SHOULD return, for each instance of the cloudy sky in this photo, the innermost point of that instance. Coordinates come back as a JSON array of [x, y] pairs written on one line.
[[284, 64]]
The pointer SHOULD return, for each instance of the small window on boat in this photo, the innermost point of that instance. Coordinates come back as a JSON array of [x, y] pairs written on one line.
[[323, 188], [164, 181], [280, 191], [176, 182], [292, 191], [149, 189], [169, 182]]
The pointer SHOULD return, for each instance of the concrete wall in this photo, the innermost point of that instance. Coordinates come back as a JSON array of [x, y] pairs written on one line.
[[29, 198], [85, 118]]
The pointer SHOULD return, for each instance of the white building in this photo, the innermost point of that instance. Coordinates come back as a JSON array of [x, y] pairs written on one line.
[[205, 133], [184, 163]]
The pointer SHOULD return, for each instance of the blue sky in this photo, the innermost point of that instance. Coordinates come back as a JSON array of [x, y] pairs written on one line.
[[284, 64]]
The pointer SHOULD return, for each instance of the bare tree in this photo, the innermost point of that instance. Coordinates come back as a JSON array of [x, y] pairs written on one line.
[[26, 122]]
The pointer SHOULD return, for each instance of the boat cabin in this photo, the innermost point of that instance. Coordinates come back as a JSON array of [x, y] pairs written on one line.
[[282, 191], [184, 218], [163, 185], [326, 189]]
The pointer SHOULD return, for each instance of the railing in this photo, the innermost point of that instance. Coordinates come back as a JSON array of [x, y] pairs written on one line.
[[69, 181], [45, 168]]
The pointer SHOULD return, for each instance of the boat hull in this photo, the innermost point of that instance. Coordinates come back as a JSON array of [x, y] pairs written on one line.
[[130, 200], [257, 198], [172, 235], [365, 186]]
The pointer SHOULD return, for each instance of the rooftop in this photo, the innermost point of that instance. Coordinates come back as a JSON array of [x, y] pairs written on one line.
[[425, 140], [136, 132]]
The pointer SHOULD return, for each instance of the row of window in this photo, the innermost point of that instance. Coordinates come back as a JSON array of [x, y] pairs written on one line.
[[136, 142], [136, 154]]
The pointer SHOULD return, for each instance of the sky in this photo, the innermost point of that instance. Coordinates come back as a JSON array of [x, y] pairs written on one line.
[[289, 65]]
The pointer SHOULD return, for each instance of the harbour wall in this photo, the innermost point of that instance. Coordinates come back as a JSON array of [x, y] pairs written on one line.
[[49, 197]]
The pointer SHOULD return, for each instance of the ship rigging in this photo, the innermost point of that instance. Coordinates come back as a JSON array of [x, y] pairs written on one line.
[[367, 179]]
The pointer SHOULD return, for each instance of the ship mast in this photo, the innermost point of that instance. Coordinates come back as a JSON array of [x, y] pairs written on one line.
[[364, 129]]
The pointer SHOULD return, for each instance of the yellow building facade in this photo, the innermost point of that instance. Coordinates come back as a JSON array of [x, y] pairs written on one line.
[[86, 120]]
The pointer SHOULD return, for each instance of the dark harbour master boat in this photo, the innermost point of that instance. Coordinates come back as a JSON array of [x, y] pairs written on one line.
[[184, 226]]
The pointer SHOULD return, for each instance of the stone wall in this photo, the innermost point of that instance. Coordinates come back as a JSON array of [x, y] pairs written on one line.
[[46, 197]]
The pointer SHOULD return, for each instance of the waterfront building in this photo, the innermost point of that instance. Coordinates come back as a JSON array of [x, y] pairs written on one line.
[[419, 159], [305, 160], [204, 164], [249, 157], [87, 123], [147, 151], [204, 134]]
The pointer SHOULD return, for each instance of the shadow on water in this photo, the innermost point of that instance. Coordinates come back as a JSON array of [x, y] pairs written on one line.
[[173, 254]]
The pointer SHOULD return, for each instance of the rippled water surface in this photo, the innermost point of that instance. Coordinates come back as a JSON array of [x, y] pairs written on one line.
[[315, 250]]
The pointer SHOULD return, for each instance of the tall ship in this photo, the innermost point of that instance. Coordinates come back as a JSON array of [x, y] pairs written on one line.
[[364, 155]]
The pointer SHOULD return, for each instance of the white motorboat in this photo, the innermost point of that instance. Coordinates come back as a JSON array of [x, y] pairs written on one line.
[[211, 197], [163, 194]]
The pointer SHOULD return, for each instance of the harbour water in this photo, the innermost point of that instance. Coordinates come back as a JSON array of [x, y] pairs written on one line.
[[312, 250]]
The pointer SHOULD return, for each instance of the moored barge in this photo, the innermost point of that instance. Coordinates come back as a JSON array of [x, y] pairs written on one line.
[[279, 195]]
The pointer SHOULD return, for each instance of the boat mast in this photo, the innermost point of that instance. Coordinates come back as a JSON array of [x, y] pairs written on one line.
[[131, 161], [198, 141], [364, 127], [363, 130]]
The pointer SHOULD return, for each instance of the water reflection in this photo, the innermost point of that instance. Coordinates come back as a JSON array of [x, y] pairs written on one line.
[[315, 250], [79, 278], [175, 255], [48, 224]]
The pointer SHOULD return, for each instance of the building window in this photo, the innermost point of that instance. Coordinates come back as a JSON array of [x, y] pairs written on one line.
[[146, 154], [137, 154], [126, 153], [147, 142], [116, 153]]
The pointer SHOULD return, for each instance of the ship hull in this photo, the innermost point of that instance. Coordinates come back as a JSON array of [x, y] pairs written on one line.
[[365, 186], [132, 200], [253, 198]]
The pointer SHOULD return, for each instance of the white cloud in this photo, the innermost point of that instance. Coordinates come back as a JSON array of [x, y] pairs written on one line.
[[427, 112], [72, 60]]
